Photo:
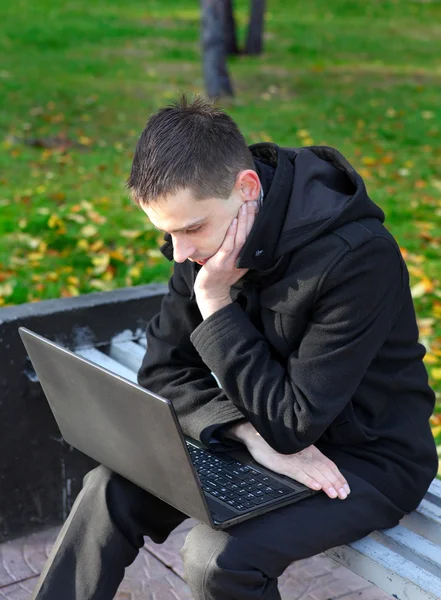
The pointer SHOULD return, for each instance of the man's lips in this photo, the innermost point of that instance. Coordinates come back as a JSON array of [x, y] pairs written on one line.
[[201, 262]]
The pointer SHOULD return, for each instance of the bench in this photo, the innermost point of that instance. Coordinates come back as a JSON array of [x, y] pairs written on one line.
[[404, 561], [40, 479]]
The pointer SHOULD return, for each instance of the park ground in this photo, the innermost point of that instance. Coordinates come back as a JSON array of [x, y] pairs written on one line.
[[78, 81]]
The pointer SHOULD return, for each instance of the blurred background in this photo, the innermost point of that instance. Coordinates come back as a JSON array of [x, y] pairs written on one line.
[[79, 79]]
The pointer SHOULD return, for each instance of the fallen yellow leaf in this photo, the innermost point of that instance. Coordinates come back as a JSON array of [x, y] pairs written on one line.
[[416, 271], [431, 359], [54, 221], [436, 374], [83, 245], [35, 256], [97, 245], [134, 272], [89, 230], [436, 430], [423, 287], [436, 310], [365, 173], [100, 262], [74, 291], [130, 233], [6, 289], [117, 255]]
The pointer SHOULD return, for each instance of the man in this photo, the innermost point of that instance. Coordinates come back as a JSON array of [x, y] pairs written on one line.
[[290, 290]]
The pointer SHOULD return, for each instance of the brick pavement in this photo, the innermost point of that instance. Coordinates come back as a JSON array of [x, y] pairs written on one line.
[[157, 573]]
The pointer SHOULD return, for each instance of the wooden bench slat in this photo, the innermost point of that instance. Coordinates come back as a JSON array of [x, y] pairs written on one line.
[[387, 570], [411, 546], [142, 341], [426, 519], [430, 510], [423, 526], [435, 489], [107, 362], [128, 354]]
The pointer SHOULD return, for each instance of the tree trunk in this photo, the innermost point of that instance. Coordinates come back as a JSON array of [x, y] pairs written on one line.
[[217, 81], [254, 43], [230, 37]]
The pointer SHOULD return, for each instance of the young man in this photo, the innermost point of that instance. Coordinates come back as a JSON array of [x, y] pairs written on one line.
[[288, 287]]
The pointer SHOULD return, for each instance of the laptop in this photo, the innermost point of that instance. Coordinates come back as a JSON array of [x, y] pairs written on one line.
[[136, 433]]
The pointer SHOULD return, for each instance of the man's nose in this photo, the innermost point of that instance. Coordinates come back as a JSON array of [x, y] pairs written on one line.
[[181, 250]]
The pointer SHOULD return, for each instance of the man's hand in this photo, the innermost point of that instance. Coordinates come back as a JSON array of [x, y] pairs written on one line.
[[213, 282], [309, 466]]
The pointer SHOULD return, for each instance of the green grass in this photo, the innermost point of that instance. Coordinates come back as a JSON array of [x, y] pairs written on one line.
[[361, 76]]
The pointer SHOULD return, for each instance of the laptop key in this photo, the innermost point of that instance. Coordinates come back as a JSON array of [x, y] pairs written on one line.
[[267, 497], [259, 500]]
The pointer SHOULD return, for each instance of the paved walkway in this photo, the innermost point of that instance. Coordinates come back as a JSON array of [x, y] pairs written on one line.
[[157, 573]]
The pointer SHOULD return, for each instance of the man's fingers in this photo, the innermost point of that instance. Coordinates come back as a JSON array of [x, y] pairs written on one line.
[[337, 479], [237, 233], [306, 479], [325, 478], [228, 243], [241, 233], [342, 481], [252, 210], [320, 474]]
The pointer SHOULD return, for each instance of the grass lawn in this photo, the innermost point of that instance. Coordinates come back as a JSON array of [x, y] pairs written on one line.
[[361, 76]]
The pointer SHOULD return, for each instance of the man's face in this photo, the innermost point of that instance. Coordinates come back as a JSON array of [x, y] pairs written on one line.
[[198, 227]]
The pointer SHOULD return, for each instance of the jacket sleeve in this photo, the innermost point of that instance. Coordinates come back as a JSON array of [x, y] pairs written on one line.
[[172, 368], [292, 405]]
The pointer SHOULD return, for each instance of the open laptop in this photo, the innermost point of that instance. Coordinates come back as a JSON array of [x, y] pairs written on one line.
[[136, 433]]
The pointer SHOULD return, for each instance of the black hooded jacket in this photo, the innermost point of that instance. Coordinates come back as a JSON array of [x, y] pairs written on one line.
[[320, 345]]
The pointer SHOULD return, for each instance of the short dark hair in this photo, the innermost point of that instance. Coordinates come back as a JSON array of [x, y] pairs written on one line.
[[190, 145]]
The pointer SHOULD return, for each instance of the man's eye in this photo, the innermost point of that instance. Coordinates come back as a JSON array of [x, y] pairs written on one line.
[[190, 231]]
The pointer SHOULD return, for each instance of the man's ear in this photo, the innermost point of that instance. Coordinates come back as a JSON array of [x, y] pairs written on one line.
[[249, 185]]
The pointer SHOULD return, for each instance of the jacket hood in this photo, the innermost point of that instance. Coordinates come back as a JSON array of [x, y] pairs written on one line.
[[313, 190]]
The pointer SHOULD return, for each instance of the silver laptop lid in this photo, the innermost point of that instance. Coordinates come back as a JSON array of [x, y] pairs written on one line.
[[118, 423]]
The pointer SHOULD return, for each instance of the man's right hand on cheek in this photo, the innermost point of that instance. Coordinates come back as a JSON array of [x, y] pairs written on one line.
[[309, 466]]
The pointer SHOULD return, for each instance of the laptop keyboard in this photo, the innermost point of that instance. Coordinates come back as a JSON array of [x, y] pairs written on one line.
[[238, 485]]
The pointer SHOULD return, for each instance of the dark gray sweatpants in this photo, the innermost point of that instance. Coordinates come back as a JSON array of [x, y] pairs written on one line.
[[105, 530]]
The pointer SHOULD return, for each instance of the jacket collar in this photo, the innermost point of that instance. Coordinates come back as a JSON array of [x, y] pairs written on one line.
[[259, 249]]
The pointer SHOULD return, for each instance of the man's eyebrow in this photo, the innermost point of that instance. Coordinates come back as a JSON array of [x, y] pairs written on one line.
[[188, 226]]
